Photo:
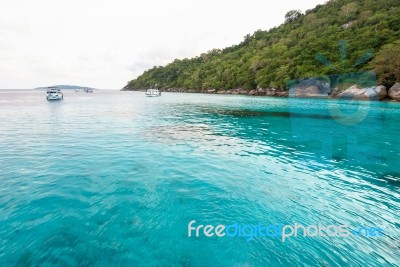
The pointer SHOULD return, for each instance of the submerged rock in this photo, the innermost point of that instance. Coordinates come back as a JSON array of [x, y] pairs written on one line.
[[394, 92], [370, 93]]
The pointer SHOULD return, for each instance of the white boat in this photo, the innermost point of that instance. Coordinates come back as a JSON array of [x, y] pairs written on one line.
[[88, 90], [53, 93], [153, 92]]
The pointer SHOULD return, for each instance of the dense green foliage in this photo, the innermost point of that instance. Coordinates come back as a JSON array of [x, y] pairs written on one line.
[[295, 50], [387, 63]]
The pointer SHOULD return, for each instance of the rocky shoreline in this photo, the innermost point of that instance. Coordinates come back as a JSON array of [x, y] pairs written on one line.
[[309, 88]]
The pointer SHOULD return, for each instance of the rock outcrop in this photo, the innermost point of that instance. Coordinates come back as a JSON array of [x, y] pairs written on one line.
[[253, 92], [370, 93], [310, 88], [269, 92], [394, 92], [272, 92]]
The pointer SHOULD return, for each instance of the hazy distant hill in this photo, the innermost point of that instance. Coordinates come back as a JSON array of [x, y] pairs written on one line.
[[65, 87], [305, 45]]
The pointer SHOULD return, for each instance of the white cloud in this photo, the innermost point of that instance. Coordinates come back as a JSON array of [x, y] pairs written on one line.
[[106, 43]]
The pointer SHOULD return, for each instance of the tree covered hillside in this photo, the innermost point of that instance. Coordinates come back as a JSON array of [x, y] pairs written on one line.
[[306, 45]]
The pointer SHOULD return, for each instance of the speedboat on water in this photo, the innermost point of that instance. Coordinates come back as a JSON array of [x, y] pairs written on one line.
[[53, 93], [153, 92], [88, 90]]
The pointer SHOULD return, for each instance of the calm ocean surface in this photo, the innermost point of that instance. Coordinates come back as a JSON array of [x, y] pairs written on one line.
[[113, 179]]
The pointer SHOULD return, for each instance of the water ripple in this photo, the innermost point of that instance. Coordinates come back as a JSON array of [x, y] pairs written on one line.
[[112, 179]]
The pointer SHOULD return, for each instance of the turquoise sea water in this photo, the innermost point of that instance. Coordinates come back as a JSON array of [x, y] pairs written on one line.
[[113, 179]]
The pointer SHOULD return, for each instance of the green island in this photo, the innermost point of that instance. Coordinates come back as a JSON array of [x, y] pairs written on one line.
[[344, 48]]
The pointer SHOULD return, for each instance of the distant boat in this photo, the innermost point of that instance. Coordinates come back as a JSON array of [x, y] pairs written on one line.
[[88, 90], [53, 93], [153, 92]]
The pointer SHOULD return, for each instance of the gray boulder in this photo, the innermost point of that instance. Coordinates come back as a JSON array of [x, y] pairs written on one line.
[[282, 94], [261, 91], [382, 92], [242, 92], [394, 92], [266, 91], [271, 92], [370, 93], [310, 88]]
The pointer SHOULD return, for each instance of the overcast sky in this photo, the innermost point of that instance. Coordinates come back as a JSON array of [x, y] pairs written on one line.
[[104, 44]]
